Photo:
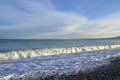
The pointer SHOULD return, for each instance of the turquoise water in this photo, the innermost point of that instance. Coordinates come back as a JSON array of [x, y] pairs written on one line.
[[12, 45]]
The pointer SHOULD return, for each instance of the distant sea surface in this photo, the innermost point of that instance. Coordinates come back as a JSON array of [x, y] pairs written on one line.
[[25, 44]]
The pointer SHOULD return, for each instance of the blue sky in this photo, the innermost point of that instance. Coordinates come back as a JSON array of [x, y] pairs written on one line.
[[56, 19]]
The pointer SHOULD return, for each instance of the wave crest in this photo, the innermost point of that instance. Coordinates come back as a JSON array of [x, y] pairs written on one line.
[[52, 51]]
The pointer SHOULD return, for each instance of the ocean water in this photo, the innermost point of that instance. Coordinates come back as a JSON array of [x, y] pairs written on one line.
[[20, 48], [17, 44], [31, 59]]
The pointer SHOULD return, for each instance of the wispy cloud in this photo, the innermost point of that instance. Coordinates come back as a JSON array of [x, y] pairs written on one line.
[[40, 19]]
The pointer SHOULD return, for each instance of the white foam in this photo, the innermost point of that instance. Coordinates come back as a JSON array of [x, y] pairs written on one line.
[[55, 65], [52, 51]]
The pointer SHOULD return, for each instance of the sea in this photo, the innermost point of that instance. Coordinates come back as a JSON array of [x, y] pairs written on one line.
[[24, 48], [26, 59]]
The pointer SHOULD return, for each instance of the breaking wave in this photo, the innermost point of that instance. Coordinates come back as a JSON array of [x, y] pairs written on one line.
[[51, 51]]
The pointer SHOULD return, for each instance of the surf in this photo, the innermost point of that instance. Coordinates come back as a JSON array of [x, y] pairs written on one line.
[[17, 54]]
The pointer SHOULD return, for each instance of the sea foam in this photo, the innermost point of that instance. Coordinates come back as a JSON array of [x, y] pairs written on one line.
[[51, 51]]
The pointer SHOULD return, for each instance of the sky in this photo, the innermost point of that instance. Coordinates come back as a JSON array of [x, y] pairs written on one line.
[[59, 19]]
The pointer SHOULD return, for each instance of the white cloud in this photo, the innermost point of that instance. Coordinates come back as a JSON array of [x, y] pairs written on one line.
[[43, 21]]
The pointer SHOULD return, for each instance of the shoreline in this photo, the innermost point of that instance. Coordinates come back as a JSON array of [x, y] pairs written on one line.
[[105, 72], [86, 66]]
